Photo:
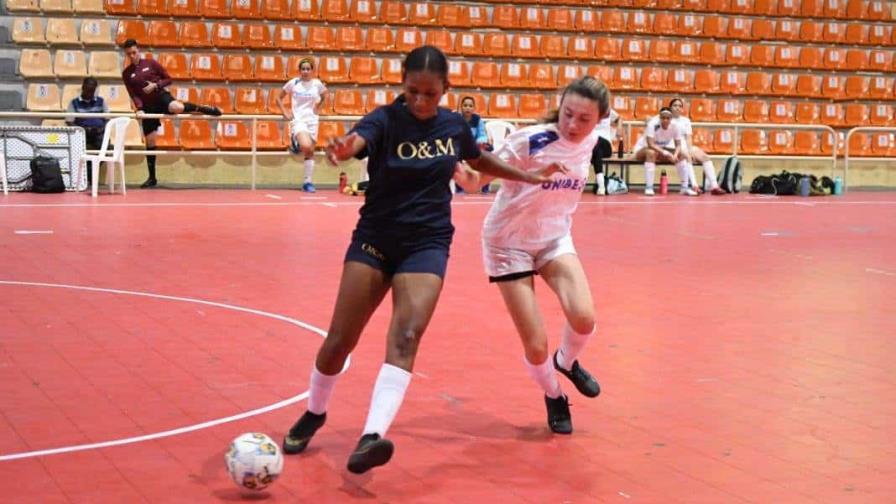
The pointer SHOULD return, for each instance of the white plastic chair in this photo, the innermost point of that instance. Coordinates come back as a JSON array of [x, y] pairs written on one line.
[[3, 173], [498, 131], [117, 127]]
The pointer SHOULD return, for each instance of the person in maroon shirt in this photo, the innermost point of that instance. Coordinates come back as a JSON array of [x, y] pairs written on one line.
[[146, 80]]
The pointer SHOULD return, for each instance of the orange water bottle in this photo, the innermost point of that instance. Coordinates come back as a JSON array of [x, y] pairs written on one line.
[[664, 183], [343, 181]]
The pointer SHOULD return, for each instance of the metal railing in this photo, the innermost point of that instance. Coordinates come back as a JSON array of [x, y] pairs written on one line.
[[846, 148]]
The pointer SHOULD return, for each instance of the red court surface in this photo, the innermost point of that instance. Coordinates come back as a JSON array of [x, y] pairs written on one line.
[[745, 350]]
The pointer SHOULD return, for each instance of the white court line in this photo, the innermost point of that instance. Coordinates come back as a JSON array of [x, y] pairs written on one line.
[[273, 196], [180, 430], [334, 205], [33, 231], [312, 197], [880, 272]]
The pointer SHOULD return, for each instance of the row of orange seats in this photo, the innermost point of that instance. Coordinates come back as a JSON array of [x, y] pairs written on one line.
[[505, 15], [798, 143]]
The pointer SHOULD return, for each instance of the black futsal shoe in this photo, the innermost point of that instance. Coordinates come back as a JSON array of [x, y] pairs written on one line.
[[559, 418], [150, 183], [372, 451], [212, 111], [584, 382], [297, 439]]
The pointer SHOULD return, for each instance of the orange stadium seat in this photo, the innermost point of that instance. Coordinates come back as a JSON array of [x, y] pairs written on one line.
[[639, 22], [807, 112], [661, 50], [232, 135], [855, 114], [763, 29], [196, 134], [459, 73], [349, 38], [624, 107], [810, 31], [834, 58], [702, 110], [183, 93], [193, 34], [421, 14], [306, 10], [587, 20], [728, 110], [406, 39], [607, 49], [753, 141], [249, 100], [379, 39], [828, 142], [440, 39], [714, 26], [762, 56], [502, 105], [334, 10], [806, 143], [362, 11], [808, 8], [578, 47], [832, 114], [269, 67], [780, 142], [702, 138], [860, 145], [690, 25], [531, 18], [131, 29], [783, 84], [833, 87], [214, 9], [175, 64], [525, 46], [634, 50], [786, 29], [237, 67], [478, 17], [665, 23], [496, 44], [613, 21], [379, 97], [877, 10], [391, 70], [879, 35], [328, 130], [808, 85], [505, 16], [245, 9], [453, 16], [551, 46], [226, 35], [320, 38], [532, 106], [755, 111], [256, 36], [881, 114], [712, 53], [275, 9], [218, 97], [653, 79], [857, 87], [568, 73], [765, 7], [268, 136], [625, 77], [811, 57], [646, 107], [541, 76], [881, 144], [706, 81], [740, 28], [288, 37], [880, 60], [468, 43], [601, 72], [732, 81], [272, 106], [560, 19], [758, 83], [333, 69], [713, 5], [680, 80], [723, 140], [856, 33], [152, 8], [70, 64], [119, 7], [59, 31], [348, 102], [685, 51], [485, 74], [513, 75], [166, 135], [857, 59], [735, 54], [363, 70], [834, 9], [786, 56], [96, 32]]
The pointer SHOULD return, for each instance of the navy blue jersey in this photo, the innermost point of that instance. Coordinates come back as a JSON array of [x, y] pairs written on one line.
[[410, 164]]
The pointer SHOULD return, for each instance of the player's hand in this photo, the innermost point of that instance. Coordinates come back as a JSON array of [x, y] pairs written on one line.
[[149, 87], [544, 175], [139, 113], [340, 148], [667, 155]]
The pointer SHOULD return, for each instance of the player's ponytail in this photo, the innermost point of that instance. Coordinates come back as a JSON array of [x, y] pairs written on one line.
[[586, 87], [426, 59]]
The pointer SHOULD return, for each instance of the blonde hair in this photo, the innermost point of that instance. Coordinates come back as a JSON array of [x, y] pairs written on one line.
[[587, 87]]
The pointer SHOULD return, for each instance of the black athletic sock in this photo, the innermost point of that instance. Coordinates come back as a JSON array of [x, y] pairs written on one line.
[[190, 107], [151, 163]]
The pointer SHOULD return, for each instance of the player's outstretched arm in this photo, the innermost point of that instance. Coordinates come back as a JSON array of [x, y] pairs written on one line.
[[344, 147], [493, 167]]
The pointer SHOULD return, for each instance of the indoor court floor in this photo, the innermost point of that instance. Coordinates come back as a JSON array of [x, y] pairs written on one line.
[[745, 349]]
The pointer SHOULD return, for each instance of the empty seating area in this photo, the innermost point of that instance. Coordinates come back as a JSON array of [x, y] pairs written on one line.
[[756, 61]]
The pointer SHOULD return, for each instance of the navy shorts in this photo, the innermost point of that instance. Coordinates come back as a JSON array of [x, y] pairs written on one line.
[[159, 107], [392, 255]]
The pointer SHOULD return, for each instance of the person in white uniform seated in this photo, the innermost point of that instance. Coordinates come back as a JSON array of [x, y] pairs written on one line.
[[662, 142]]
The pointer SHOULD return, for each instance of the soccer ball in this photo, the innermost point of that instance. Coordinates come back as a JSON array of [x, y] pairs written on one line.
[[254, 460]]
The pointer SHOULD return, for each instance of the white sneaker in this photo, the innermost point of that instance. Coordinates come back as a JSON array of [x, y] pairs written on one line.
[[648, 191], [601, 191], [688, 192]]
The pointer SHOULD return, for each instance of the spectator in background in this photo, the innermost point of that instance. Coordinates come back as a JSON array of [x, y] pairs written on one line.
[[146, 80], [477, 127], [307, 95], [89, 103], [692, 152], [607, 129]]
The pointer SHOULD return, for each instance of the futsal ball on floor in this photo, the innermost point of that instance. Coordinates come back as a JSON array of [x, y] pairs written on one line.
[[254, 460]]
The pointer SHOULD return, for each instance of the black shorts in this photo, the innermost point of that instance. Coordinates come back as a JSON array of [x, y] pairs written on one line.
[[393, 255], [159, 107]]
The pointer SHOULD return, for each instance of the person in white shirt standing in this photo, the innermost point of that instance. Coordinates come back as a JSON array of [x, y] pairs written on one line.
[[692, 152], [607, 130], [528, 232], [662, 141], [307, 95]]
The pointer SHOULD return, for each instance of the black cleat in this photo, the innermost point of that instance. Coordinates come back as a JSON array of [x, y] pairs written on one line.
[[584, 382], [559, 419], [298, 437], [150, 182], [372, 451], [212, 111]]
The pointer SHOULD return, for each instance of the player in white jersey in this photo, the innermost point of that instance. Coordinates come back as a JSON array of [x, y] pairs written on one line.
[[607, 130], [307, 95], [662, 141], [692, 152], [527, 232]]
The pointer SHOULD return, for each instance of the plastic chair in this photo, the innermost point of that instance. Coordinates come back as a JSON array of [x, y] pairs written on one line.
[[452, 15], [553, 47], [560, 19], [587, 21], [497, 131], [513, 75], [183, 8], [117, 127], [62, 31], [96, 32]]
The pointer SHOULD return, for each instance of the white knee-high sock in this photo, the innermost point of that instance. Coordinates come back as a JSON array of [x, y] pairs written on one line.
[[692, 176], [388, 393], [320, 390], [710, 170], [649, 173], [682, 168], [571, 345], [545, 375], [309, 169]]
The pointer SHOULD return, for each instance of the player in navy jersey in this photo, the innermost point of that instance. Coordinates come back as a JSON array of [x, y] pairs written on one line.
[[528, 232], [400, 243]]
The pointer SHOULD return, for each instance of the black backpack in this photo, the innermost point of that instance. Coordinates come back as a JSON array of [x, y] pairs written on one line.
[[732, 175], [46, 176]]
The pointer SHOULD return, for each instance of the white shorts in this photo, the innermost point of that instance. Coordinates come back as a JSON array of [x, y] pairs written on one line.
[[501, 261], [309, 127]]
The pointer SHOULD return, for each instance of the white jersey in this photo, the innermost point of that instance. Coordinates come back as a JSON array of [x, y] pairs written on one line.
[[605, 128], [530, 216], [684, 126], [304, 95], [663, 138]]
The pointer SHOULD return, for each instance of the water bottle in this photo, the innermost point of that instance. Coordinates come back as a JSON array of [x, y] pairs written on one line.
[[804, 186], [838, 186], [621, 152], [664, 183], [343, 181]]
